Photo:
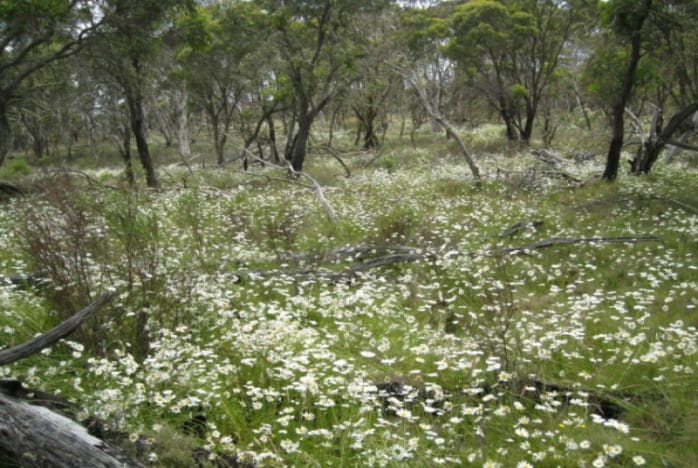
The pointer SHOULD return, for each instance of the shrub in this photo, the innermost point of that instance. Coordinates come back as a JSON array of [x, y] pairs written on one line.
[[15, 168]]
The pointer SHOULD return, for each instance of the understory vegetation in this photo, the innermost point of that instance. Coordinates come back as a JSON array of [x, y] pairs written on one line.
[[248, 323]]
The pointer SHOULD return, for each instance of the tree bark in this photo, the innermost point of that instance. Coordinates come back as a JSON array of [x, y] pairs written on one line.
[[5, 132], [614, 149], [527, 131], [137, 116], [300, 143], [125, 151], [509, 123], [183, 124], [272, 139]]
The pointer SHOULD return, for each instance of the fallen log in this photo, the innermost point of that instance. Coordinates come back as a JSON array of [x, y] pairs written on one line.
[[355, 252], [62, 330], [352, 271], [10, 190], [549, 157], [416, 254], [30, 279], [565, 240], [520, 227], [35, 436], [634, 199]]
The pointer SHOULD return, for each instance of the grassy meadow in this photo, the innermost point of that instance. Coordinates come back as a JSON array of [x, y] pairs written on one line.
[[248, 323]]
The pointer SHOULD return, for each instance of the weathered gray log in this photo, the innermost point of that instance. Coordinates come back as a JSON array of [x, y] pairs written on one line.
[[413, 254], [21, 280], [355, 252], [550, 158], [375, 263], [34, 436], [563, 240], [520, 227], [10, 190], [66, 327]]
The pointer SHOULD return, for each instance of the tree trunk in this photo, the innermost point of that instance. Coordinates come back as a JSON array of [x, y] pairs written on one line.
[[300, 143], [5, 133], [527, 131], [509, 122], [137, 116], [125, 151], [218, 140], [272, 139], [370, 137], [614, 149], [646, 156], [183, 125]]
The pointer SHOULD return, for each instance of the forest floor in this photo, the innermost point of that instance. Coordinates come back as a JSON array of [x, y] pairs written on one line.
[[413, 331]]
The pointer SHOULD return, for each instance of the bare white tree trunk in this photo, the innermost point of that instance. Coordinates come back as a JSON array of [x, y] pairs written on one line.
[[433, 110], [183, 123]]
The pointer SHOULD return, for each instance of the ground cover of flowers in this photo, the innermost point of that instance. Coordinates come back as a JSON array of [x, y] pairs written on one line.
[[575, 355]]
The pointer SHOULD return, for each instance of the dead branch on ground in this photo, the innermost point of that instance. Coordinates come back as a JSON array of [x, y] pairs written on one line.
[[318, 188], [574, 240], [62, 330]]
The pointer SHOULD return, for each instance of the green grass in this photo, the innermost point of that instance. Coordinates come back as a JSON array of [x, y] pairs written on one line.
[[287, 368]]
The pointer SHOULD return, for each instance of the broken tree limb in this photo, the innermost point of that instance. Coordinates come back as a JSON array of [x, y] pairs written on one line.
[[682, 145], [66, 327], [550, 158], [574, 240], [520, 227], [332, 152], [351, 271], [679, 203], [433, 110], [354, 252], [688, 128], [319, 192], [10, 189], [414, 254], [627, 199], [533, 174], [638, 125], [30, 279], [334, 276]]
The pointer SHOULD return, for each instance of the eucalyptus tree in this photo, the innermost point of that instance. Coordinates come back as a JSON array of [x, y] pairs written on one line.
[[370, 94], [226, 61], [131, 39], [511, 50], [419, 40], [627, 19], [428, 78], [34, 34], [320, 44], [47, 114], [672, 52], [653, 42]]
